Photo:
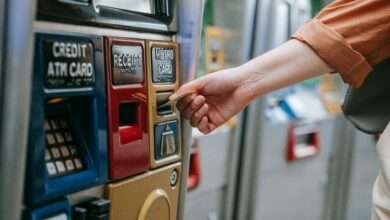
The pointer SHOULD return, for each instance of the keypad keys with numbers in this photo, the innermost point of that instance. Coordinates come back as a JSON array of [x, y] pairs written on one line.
[[62, 153]]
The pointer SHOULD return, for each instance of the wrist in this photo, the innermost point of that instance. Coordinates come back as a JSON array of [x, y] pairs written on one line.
[[249, 82]]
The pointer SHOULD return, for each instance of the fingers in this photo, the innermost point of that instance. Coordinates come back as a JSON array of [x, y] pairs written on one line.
[[193, 106], [187, 89], [184, 102], [198, 115], [205, 126]]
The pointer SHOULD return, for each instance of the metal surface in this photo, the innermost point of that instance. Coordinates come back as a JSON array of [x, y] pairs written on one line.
[[51, 27], [111, 14], [207, 204], [2, 31], [252, 117], [247, 182], [15, 101], [214, 161], [339, 170], [190, 20], [232, 171], [143, 6], [302, 181]]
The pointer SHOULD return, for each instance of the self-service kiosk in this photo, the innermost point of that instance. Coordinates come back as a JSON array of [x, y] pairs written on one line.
[[104, 142]]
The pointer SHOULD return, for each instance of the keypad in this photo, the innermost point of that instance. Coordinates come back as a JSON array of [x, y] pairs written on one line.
[[62, 154]]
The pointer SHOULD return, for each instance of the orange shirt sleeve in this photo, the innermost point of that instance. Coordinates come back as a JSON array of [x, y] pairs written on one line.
[[351, 36]]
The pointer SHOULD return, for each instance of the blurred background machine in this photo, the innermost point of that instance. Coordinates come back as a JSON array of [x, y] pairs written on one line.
[[82, 135], [278, 159]]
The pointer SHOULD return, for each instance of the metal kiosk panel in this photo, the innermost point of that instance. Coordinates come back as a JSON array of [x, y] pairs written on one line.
[[164, 124]]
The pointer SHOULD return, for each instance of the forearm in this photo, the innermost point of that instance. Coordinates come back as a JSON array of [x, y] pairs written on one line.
[[288, 64]]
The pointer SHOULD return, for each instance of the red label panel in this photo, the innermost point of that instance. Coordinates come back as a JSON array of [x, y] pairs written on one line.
[[127, 107]]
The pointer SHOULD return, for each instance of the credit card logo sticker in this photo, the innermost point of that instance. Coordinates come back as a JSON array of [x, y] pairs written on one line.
[[68, 64], [127, 64], [163, 63]]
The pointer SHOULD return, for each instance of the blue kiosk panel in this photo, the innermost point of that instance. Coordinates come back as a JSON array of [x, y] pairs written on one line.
[[67, 144], [55, 211]]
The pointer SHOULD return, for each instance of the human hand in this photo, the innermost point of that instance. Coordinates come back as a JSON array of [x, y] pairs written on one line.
[[210, 101]]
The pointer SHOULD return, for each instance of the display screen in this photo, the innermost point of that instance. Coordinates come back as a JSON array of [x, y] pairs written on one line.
[[143, 6], [164, 65]]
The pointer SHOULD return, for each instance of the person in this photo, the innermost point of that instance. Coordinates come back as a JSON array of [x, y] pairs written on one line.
[[347, 36]]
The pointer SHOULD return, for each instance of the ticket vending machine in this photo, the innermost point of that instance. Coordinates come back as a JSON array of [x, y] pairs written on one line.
[[103, 140]]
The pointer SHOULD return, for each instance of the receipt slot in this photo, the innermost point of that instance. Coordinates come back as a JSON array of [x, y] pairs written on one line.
[[164, 124], [127, 107], [153, 195], [67, 132], [302, 141]]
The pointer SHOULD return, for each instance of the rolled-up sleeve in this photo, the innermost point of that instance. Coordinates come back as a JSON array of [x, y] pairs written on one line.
[[351, 36]]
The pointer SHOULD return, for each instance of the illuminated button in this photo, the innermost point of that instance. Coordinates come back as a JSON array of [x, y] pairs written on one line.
[[69, 165], [73, 149], [60, 166], [51, 169], [55, 152], [54, 124], [78, 163], [50, 139], [46, 125], [47, 154], [60, 138], [64, 151], [68, 137]]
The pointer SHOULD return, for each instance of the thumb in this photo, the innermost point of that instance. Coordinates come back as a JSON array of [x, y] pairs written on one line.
[[186, 89]]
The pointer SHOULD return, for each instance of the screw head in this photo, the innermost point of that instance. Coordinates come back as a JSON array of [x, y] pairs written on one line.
[[173, 178]]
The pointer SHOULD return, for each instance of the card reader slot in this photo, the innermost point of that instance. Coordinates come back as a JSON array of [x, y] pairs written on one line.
[[164, 106]]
